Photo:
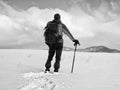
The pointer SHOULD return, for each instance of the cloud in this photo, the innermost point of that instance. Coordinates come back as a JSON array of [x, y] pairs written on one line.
[[21, 26], [103, 10], [18, 27], [98, 18]]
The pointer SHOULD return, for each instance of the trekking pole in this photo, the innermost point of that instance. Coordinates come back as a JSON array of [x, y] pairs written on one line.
[[73, 59]]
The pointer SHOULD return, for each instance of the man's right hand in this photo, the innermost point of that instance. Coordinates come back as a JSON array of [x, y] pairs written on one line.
[[76, 42]]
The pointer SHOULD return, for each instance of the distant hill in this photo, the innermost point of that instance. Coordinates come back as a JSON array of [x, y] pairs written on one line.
[[99, 49], [94, 49]]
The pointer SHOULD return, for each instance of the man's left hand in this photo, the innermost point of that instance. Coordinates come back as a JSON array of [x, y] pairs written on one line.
[[76, 42]]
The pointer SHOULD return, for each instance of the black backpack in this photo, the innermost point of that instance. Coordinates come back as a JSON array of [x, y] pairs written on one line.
[[52, 34]]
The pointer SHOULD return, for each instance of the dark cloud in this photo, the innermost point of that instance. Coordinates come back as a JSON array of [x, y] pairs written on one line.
[[105, 10]]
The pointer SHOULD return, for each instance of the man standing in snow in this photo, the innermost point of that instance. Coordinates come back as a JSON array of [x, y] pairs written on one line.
[[53, 38]]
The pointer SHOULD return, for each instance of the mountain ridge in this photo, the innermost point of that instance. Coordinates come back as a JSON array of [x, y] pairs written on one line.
[[95, 49]]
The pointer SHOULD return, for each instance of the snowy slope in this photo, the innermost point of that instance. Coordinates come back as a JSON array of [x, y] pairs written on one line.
[[21, 70]]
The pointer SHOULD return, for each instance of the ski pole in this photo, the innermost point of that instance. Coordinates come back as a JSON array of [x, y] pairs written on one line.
[[73, 59]]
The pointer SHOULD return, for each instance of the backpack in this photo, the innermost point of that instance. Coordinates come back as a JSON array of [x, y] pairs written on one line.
[[53, 33]]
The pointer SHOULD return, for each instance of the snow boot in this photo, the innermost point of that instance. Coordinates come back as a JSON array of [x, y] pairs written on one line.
[[47, 70]]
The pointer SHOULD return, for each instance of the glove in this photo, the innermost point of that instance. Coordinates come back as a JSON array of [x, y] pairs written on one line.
[[76, 42]]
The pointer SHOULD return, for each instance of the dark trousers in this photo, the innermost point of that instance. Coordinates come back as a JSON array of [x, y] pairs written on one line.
[[54, 48]]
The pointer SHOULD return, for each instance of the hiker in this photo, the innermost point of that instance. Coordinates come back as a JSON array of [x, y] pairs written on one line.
[[53, 38]]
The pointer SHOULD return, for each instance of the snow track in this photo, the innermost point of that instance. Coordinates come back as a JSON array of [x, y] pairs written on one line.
[[38, 81]]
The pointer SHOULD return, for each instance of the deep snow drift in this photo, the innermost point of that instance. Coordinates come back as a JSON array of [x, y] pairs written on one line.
[[21, 70]]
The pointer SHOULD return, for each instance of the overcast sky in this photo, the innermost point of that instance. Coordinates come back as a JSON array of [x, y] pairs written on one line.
[[93, 22]]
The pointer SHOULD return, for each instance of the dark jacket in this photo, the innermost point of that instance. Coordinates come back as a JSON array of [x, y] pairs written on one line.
[[62, 29]]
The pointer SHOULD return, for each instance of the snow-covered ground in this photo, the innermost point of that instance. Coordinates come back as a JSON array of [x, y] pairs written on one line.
[[22, 70]]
